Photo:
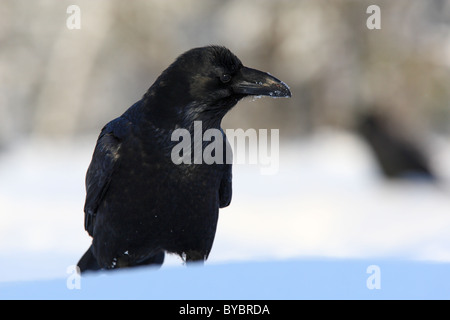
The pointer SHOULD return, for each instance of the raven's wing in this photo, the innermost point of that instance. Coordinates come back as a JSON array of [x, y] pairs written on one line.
[[105, 161], [225, 190]]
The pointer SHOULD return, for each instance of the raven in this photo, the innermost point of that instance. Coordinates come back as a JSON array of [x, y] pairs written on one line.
[[398, 155], [139, 203]]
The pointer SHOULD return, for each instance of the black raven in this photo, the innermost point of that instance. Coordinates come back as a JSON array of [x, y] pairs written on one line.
[[139, 203], [398, 155]]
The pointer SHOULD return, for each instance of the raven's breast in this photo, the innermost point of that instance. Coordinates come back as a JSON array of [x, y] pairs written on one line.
[[154, 204]]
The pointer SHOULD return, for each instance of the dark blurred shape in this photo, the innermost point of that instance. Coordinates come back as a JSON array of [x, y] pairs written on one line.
[[398, 155]]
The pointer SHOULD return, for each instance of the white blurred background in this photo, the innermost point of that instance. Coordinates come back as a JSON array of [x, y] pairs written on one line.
[[330, 198]]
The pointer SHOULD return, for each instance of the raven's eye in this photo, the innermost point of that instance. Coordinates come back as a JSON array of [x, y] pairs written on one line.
[[225, 78]]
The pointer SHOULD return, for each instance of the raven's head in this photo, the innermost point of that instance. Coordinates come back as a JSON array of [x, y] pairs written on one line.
[[205, 83]]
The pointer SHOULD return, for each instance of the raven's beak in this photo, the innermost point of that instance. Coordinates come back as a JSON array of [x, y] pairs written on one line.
[[257, 83]]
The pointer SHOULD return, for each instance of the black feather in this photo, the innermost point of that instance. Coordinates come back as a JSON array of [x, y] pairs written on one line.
[[139, 203]]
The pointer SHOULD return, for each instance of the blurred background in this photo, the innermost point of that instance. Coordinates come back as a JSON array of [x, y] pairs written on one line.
[[365, 138]]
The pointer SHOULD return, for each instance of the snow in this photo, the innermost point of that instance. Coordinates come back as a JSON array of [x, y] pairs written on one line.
[[309, 231], [287, 279]]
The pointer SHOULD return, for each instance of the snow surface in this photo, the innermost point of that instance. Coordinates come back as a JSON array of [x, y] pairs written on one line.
[[273, 280], [309, 231]]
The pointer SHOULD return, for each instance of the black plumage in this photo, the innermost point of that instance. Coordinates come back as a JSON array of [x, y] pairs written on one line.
[[398, 155], [139, 203]]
